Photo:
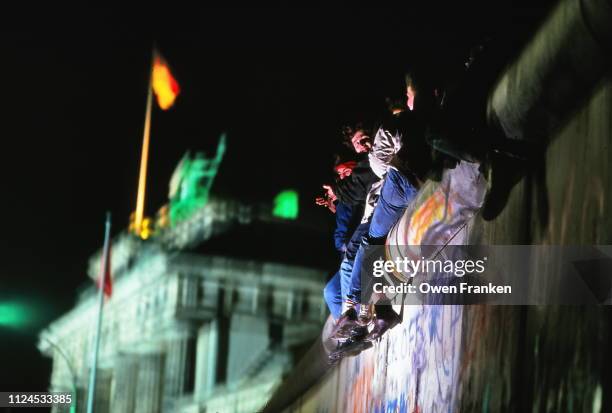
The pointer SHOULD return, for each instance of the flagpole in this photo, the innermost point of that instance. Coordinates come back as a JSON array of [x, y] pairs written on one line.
[[91, 393], [144, 158]]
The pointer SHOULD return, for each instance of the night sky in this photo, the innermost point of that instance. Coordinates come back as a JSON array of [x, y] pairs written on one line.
[[280, 82]]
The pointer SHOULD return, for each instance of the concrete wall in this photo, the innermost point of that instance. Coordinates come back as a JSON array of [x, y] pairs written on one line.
[[496, 358]]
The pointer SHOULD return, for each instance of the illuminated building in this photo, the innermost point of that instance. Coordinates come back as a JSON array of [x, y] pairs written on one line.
[[187, 329]]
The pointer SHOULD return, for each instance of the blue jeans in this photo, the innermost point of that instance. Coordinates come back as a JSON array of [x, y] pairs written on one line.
[[337, 288], [348, 218], [395, 196]]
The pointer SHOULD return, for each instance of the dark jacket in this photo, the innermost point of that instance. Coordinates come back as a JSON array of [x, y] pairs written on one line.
[[353, 189]]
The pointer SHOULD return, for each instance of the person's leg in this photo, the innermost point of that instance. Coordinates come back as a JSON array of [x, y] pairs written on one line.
[[385, 320], [348, 316], [395, 196], [346, 267], [333, 296]]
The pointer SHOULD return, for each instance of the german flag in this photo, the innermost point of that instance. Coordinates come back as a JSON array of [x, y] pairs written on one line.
[[164, 85]]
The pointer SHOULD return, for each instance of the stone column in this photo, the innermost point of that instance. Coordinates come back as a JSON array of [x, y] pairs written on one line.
[[206, 360], [126, 376], [149, 382], [178, 365], [103, 390], [188, 286]]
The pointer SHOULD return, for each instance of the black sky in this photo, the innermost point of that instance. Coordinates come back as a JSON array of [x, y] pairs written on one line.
[[279, 81]]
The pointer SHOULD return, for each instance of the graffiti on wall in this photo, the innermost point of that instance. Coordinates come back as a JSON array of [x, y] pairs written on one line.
[[416, 366]]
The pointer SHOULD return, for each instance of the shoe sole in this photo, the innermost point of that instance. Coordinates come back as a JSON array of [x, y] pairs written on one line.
[[350, 350]]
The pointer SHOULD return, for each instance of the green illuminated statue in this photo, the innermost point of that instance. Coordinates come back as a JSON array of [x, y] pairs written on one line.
[[191, 182]]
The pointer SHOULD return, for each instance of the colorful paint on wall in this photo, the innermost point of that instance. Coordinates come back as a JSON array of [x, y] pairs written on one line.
[[416, 366]]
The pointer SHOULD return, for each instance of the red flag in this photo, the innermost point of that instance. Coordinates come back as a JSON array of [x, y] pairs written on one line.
[[105, 276], [164, 85]]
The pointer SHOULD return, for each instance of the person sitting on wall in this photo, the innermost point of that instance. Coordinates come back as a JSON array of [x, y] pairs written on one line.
[[348, 218], [349, 191]]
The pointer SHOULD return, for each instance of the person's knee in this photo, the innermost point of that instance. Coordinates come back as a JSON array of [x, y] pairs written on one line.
[[375, 234], [328, 291]]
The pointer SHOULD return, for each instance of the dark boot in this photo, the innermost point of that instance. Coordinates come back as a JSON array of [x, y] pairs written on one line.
[[385, 320], [350, 348], [359, 332], [345, 324]]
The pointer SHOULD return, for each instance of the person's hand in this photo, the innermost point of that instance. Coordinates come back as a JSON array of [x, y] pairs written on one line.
[[330, 192], [327, 203]]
